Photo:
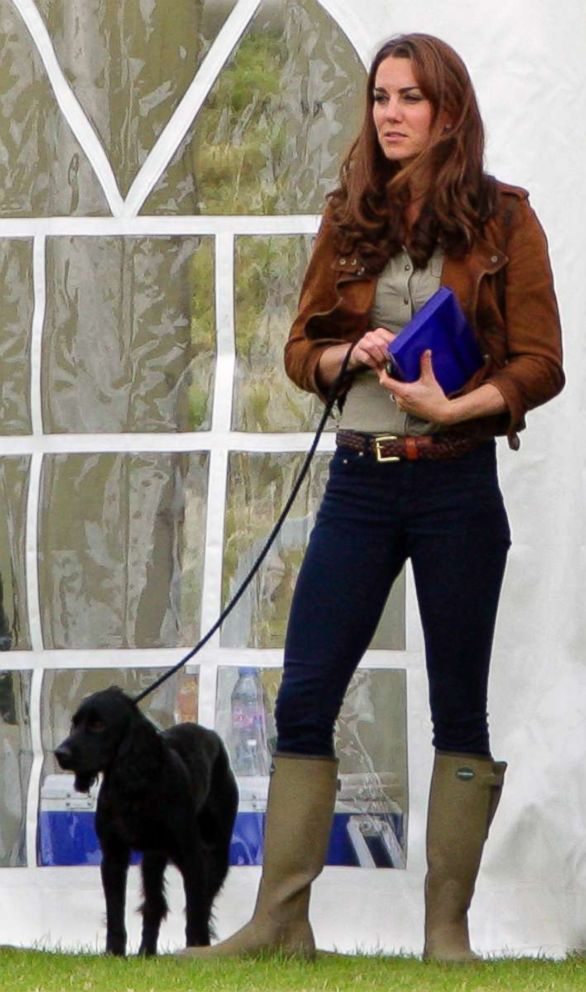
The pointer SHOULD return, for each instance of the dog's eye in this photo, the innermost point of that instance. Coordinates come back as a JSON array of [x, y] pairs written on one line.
[[96, 726]]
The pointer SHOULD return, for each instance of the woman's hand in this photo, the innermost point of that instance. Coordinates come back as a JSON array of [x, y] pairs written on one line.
[[423, 398], [372, 349]]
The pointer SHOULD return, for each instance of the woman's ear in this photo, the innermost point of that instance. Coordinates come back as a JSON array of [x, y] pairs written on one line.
[[443, 122]]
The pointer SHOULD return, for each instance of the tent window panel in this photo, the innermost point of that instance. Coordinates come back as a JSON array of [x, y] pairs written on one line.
[[121, 545], [14, 626], [15, 765], [129, 337], [43, 169], [268, 274], [16, 315], [371, 813], [271, 134], [258, 486]]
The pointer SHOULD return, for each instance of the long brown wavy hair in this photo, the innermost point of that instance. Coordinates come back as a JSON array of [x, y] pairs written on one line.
[[369, 204]]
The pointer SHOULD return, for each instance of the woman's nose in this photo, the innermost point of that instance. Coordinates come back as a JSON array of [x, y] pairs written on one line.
[[393, 109]]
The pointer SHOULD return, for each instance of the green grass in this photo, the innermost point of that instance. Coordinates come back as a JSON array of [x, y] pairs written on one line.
[[38, 971]]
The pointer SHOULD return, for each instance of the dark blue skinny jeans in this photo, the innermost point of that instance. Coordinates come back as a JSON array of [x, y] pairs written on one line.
[[448, 517]]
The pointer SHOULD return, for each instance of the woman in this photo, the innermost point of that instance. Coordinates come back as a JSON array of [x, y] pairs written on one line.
[[413, 476]]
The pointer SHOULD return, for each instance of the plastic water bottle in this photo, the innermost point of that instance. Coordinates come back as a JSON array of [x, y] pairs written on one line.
[[249, 731]]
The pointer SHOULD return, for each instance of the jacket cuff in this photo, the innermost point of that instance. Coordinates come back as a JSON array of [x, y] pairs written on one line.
[[514, 403]]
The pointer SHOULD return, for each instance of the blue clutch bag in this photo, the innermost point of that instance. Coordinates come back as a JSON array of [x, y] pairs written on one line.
[[441, 326]]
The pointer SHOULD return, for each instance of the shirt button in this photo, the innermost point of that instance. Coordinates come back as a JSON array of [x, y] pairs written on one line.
[[342, 261], [494, 259], [405, 300], [407, 268]]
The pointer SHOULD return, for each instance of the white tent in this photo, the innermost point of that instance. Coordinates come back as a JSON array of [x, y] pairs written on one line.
[[132, 439]]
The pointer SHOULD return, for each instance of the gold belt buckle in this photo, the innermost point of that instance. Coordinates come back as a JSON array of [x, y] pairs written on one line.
[[379, 455]]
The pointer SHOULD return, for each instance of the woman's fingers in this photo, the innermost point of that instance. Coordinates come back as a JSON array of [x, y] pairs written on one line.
[[372, 348]]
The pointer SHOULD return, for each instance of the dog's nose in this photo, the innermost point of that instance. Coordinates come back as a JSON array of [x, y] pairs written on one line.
[[63, 755]]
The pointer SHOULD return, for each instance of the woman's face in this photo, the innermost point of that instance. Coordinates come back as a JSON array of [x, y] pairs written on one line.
[[402, 114]]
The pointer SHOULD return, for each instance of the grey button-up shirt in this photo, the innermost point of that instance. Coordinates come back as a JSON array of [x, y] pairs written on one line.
[[400, 292]]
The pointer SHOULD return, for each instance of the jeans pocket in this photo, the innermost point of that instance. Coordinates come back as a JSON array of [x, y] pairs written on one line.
[[345, 461]]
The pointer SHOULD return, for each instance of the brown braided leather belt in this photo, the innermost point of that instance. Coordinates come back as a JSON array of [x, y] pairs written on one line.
[[393, 448]]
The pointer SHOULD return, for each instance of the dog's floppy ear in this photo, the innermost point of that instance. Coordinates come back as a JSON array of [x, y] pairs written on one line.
[[141, 749]]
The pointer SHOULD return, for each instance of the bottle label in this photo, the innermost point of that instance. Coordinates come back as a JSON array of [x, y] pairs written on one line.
[[246, 717]]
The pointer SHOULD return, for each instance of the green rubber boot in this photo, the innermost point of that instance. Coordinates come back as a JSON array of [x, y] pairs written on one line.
[[300, 808], [465, 792]]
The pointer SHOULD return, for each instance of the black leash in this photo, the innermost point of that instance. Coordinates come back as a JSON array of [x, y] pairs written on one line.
[[331, 399]]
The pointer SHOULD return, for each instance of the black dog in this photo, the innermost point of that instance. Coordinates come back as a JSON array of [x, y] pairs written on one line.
[[171, 795]]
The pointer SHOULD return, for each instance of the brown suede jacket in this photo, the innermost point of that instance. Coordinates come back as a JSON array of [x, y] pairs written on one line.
[[505, 287]]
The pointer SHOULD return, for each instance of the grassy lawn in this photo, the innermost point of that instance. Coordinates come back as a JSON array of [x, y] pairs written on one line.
[[38, 971]]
